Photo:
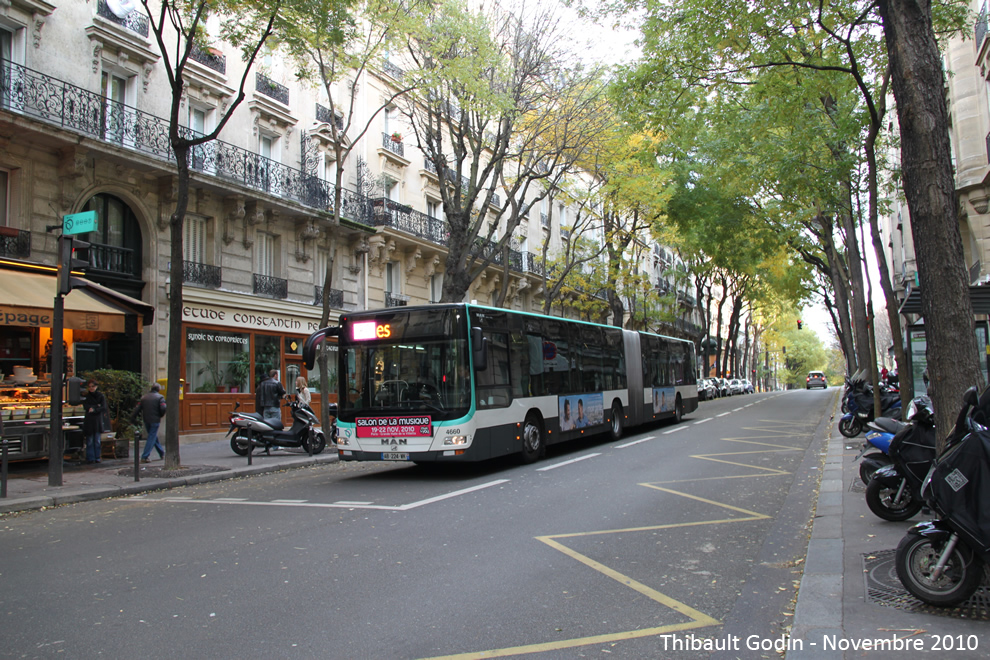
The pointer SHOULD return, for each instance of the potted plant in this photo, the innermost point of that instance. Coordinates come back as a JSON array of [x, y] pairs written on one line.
[[238, 371], [216, 378], [396, 136]]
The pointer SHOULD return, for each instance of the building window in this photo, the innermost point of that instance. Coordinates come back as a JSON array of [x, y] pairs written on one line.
[[118, 92], [392, 277], [436, 288], [322, 260], [433, 209], [194, 240], [217, 361], [265, 259]]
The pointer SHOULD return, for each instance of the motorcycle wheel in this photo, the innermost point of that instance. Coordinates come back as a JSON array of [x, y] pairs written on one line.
[[917, 556], [870, 464], [850, 427], [240, 447], [317, 442], [879, 497]]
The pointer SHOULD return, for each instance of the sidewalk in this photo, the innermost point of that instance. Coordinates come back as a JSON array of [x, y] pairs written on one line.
[[201, 462], [850, 595]]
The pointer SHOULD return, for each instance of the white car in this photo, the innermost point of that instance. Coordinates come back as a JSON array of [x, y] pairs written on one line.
[[736, 387]]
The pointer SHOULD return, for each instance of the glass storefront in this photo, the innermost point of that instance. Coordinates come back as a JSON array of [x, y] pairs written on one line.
[[217, 361]]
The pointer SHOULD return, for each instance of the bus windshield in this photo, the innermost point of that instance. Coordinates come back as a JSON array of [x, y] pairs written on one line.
[[415, 361]]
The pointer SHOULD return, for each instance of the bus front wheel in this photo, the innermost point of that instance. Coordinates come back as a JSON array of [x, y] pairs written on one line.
[[616, 431], [533, 444]]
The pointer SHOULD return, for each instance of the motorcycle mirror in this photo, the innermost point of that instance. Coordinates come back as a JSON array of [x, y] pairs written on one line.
[[970, 397]]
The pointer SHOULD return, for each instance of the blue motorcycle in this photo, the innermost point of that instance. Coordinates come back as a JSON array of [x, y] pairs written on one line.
[[878, 436]]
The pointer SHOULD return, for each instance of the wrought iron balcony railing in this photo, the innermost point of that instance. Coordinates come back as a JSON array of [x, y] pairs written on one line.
[[393, 145], [62, 104], [545, 220], [326, 116], [272, 287], [211, 60], [336, 297], [135, 21], [449, 174], [113, 259], [392, 70], [387, 213], [203, 274], [265, 85], [15, 242], [395, 299], [980, 29]]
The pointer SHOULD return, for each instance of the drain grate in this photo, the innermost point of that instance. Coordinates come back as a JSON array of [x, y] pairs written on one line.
[[883, 587]]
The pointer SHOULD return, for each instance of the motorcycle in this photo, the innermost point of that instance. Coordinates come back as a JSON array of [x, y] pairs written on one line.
[[894, 491], [252, 430], [881, 431], [942, 562], [858, 402]]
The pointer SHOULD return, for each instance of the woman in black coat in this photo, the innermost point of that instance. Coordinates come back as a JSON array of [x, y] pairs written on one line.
[[95, 404]]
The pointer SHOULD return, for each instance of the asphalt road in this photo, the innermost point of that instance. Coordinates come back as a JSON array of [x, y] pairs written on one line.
[[624, 548]]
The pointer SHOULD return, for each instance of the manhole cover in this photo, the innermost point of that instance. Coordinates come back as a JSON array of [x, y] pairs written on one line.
[[883, 587]]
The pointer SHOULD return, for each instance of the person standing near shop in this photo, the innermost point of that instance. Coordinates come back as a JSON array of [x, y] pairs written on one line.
[[302, 391], [152, 409], [270, 393], [95, 405]]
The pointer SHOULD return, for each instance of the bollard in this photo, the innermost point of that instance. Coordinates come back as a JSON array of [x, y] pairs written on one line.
[[137, 456], [3, 469], [250, 438]]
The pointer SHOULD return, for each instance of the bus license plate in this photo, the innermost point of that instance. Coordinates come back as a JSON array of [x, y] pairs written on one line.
[[392, 456]]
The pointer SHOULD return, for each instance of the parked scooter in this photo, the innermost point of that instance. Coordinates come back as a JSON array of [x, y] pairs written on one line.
[[942, 562], [894, 491], [878, 436], [251, 430], [859, 403]]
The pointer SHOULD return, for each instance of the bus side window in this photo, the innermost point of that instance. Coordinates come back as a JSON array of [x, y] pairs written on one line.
[[492, 384]]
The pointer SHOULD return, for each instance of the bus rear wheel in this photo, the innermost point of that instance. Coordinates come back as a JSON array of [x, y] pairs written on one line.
[[533, 443], [616, 431], [678, 410]]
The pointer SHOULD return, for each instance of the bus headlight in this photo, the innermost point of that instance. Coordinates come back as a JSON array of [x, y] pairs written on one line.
[[455, 440]]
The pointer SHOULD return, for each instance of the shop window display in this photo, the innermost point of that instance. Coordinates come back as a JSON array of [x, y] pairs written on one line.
[[217, 361]]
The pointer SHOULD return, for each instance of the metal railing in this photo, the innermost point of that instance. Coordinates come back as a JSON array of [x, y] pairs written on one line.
[[387, 213], [135, 21], [392, 70], [15, 242], [265, 85], [215, 61], [980, 29], [974, 272], [395, 146], [272, 287], [112, 259], [204, 274], [395, 299], [335, 297], [326, 116]]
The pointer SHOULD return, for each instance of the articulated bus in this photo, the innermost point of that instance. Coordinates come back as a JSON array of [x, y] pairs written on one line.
[[463, 382]]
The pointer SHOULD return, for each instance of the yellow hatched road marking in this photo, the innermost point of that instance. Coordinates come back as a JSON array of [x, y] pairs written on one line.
[[697, 619]]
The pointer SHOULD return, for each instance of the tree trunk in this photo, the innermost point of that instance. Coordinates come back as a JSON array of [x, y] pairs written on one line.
[[175, 333], [918, 86]]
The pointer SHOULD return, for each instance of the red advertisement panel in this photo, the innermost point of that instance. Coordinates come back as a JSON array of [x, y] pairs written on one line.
[[408, 426]]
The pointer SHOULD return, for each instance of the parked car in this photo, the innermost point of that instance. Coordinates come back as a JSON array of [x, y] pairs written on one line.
[[716, 387], [747, 386], [816, 379], [735, 386], [706, 391], [723, 387]]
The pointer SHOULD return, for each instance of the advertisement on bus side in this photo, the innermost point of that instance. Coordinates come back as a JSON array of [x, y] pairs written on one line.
[[580, 410], [409, 426], [663, 399]]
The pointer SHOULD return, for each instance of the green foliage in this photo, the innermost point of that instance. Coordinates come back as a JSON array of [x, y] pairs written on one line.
[[123, 390]]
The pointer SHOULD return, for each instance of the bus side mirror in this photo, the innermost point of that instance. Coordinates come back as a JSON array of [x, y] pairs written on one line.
[[313, 342], [479, 345]]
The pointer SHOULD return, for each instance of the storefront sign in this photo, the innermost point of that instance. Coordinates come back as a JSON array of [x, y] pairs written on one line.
[[248, 320], [12, 316]]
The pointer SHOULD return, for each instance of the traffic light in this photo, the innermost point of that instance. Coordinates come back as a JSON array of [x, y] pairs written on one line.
[[75, 390], [783, 349], [73, 254], [799, 324]]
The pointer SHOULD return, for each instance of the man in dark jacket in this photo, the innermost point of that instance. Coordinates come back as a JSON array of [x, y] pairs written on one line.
[[269, 397], [152, 409]]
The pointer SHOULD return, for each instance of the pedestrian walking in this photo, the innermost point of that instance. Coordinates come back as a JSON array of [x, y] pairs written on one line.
[[269, 397], [95, 405], [151, 407]]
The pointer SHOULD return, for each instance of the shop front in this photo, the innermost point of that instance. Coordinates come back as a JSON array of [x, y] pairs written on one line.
[[93, 313], [230, 342]]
